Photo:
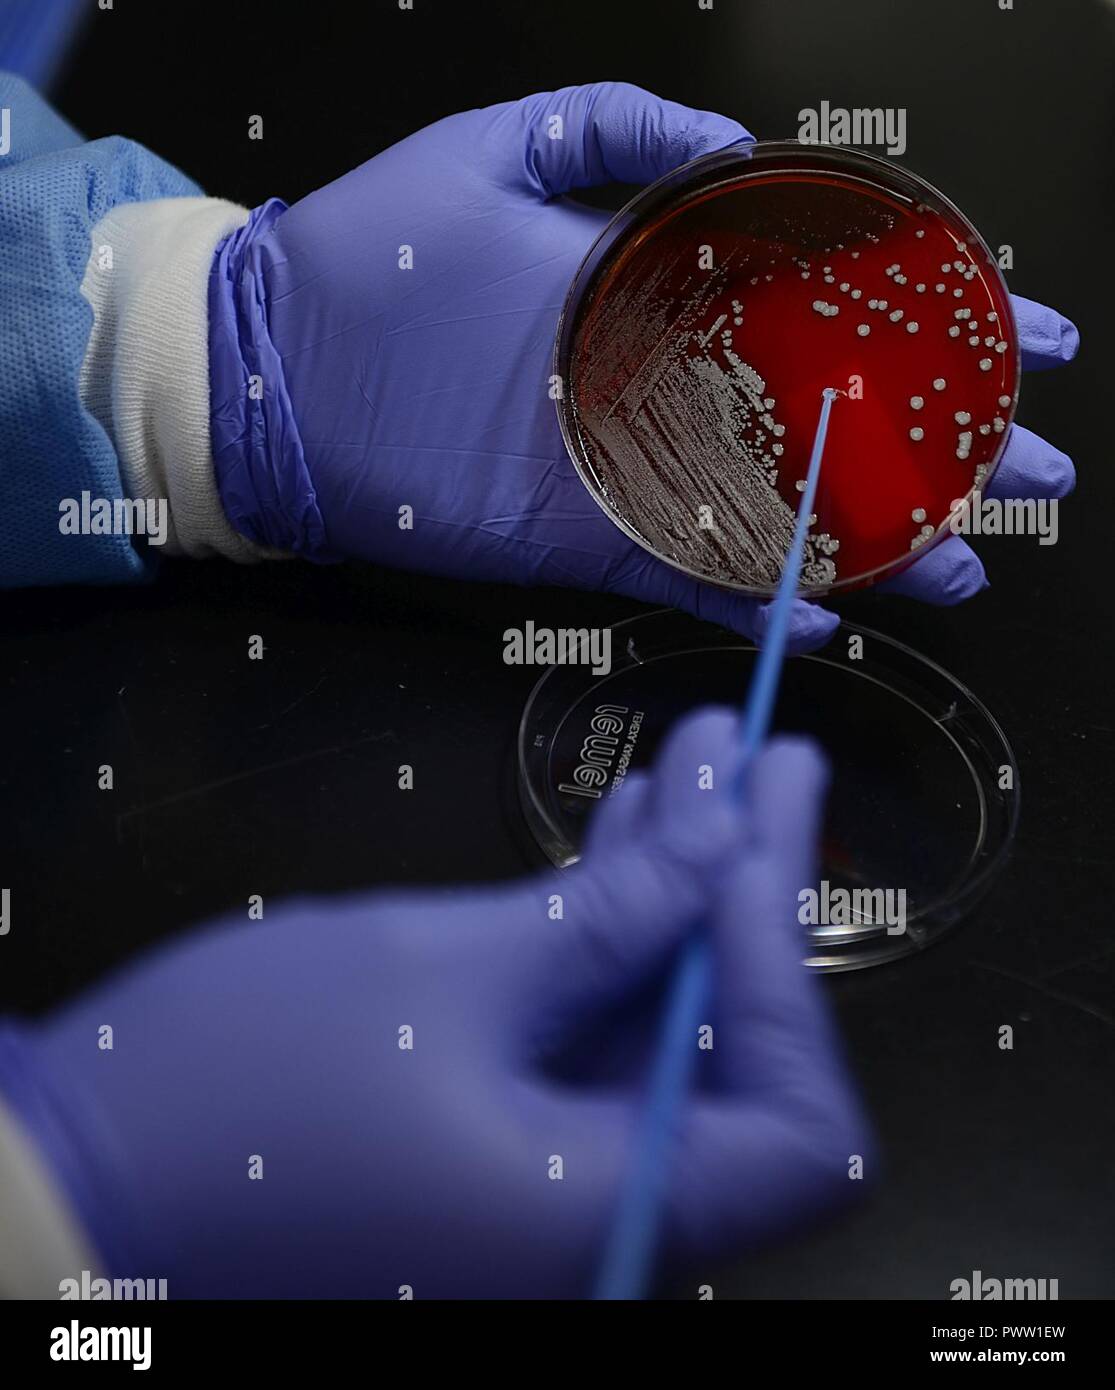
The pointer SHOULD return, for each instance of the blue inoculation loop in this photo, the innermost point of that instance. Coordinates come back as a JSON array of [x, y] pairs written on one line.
[[628, 1264], [763, 690]]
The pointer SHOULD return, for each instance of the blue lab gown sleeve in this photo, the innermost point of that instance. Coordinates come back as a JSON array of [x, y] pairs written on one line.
[[54, 187]]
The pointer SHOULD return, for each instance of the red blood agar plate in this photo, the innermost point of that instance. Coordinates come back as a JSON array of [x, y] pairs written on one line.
[[707, 319]]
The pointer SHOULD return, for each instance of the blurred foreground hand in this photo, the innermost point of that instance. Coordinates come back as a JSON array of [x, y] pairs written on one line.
[[438, 1091]]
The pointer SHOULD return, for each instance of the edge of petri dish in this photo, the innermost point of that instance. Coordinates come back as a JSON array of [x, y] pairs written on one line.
[[671, 185], [866, 945]]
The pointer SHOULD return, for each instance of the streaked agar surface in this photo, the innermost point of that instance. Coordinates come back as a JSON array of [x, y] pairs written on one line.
[[699, 343]]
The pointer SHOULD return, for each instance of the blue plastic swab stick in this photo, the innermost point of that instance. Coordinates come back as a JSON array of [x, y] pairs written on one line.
[[628, 1264]]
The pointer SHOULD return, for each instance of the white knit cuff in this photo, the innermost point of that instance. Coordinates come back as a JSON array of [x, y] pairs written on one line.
[[40, 1241], [145, 377]]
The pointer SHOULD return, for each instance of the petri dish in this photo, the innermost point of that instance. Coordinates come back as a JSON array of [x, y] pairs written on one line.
[[710, 314], [919, 809]]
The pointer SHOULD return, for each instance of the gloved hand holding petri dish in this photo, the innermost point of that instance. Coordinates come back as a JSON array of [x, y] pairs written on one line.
[[704, 324]]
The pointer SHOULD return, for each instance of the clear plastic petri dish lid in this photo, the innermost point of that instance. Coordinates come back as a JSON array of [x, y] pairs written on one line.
[[923, 803], [703, 325]]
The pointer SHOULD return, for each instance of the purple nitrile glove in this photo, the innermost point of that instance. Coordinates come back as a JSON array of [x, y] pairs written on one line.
[[432, 1165], [428, 387]]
